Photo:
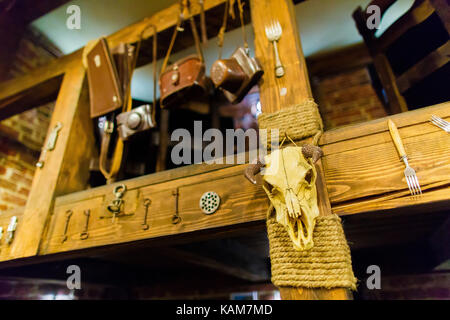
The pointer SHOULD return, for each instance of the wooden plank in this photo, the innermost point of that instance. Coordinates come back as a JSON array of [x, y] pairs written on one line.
[[365, 129], [65, 168], [239, 205], [26, 87]]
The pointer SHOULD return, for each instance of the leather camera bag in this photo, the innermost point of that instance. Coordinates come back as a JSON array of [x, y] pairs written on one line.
[[238, 74], [185, 79], [105, 90]]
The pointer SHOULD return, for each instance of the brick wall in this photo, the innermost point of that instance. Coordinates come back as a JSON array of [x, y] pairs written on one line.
[[22, 136], [347, 98]]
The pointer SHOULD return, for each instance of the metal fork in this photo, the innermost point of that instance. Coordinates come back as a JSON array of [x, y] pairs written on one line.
[[441, 123], [410, 174], [273, 33]]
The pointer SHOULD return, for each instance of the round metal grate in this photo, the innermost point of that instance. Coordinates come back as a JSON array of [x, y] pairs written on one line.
[[209, 202]]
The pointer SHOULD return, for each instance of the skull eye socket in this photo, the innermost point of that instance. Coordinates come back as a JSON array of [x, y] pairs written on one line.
[[308, 176]]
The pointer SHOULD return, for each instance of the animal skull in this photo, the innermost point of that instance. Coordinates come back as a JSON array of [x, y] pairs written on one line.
[[290, 182]]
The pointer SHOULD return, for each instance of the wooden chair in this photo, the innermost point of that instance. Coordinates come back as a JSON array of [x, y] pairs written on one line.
[[411, 57]]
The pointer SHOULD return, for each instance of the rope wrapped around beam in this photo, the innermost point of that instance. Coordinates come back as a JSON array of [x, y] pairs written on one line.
[[328, 263]]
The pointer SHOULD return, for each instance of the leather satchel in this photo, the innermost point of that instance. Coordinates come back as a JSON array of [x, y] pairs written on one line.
[[237, 75], [185, 79], [105, 90]]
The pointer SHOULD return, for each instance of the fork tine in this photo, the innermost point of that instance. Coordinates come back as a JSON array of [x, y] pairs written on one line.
[[440, 120], [409, 185], [413, 185], [443, 122], [417, 184], [439, 125], [436, 123]]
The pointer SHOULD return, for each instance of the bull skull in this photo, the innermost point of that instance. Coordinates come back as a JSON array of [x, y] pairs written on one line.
[[290, 183]]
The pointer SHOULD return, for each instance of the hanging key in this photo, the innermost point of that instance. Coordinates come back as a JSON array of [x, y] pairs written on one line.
[[84, 235], [147, 203], [50, 145], [68, 215], [11, 230]]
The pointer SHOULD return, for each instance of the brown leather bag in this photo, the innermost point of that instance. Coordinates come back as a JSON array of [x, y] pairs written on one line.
[[105, 89], [238, 74], [185, 79]]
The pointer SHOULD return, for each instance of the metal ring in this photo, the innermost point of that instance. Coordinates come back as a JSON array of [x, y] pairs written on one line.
[[84, 235], [145, 226], [176, 219], [147, 202], [120, 190]]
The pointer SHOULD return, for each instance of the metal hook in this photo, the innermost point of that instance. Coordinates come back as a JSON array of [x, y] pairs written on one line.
[[68, 215], [84, 235], [147, 203]]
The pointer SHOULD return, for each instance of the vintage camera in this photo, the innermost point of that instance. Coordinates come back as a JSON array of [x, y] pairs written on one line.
[[237, 75], [137, 120]]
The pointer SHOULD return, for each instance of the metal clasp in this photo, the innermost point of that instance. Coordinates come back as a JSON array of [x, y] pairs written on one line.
[[11, 229], [116, 205], [50, 145]]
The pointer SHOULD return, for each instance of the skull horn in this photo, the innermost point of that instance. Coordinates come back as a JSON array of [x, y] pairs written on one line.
[[252, 170], [311, 151]]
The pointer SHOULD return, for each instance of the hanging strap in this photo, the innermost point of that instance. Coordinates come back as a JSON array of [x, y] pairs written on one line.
[[184, 11], [109, 124], [203, 22], [229, 10]]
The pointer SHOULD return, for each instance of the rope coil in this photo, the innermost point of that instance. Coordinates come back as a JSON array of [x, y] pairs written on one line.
[[327, 265], [298, 122]]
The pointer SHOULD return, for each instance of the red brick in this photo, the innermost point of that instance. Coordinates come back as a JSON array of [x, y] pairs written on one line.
[[13, 199], [21, 178], [24, 191], [5, 184], [10, 132]]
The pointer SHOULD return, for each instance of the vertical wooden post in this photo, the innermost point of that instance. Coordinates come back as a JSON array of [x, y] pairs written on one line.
[[292, 88], [66, 168]]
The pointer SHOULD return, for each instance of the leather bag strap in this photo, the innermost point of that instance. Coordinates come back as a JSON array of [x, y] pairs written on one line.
[[184, 11], [229, 10], [108, 129]]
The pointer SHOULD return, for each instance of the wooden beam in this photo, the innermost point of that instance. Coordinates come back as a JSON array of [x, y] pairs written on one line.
[[65, 168], [287, 91]]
